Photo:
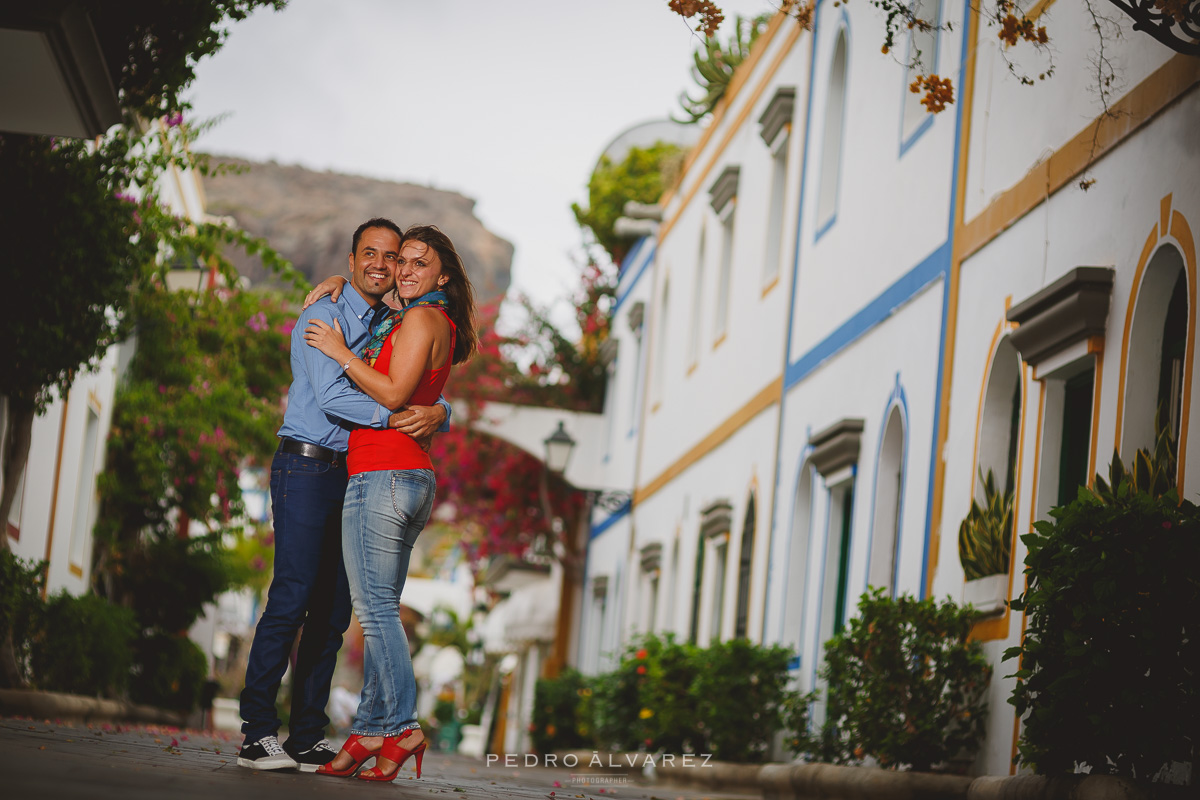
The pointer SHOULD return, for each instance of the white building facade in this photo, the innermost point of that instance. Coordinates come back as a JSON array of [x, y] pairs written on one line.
[[852, 306]]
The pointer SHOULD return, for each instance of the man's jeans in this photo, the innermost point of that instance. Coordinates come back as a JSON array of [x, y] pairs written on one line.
[[309, 588], [385, 512]]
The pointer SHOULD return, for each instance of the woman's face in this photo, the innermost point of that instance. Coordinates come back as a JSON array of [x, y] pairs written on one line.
[[418, 270]]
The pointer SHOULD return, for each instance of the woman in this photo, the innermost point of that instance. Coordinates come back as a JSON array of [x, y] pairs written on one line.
[[390, 494]]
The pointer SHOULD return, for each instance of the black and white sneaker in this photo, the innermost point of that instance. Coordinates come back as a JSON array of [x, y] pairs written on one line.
[[308, 760], [266, 753]]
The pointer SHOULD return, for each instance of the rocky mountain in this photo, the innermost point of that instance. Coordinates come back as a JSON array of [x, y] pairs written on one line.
[[309, 218]]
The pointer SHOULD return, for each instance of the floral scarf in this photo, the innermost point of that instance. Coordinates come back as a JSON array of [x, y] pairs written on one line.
[[370, 353]]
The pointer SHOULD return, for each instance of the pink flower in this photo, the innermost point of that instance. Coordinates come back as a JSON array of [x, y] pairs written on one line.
[[175, 120]]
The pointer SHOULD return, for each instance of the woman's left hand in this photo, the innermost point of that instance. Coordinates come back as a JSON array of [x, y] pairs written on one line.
[[329, 341]]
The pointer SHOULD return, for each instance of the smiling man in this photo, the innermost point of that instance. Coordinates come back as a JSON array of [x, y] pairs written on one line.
[[308, 485]]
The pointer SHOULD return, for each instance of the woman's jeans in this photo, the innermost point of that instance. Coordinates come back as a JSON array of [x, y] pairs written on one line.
[[384, 513]]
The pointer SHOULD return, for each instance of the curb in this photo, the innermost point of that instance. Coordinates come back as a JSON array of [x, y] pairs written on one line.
[[778, 781], [77, 708]]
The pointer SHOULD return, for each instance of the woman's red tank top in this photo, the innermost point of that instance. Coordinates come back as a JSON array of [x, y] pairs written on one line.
[[375, 449]]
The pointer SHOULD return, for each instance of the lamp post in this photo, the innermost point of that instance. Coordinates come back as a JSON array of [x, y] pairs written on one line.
[[559, 445]]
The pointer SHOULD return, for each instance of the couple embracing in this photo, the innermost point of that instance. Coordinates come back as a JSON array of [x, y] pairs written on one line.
[[352, 486]]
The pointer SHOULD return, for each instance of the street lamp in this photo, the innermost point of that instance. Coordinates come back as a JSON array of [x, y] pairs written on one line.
[[558, 449]]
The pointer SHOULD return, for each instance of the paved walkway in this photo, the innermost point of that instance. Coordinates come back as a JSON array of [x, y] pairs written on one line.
[[49, 760]]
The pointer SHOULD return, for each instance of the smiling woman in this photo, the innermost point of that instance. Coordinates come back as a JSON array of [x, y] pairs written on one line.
[[390, 494]]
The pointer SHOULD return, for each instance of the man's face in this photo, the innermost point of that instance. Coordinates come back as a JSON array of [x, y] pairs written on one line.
[[373, 265]]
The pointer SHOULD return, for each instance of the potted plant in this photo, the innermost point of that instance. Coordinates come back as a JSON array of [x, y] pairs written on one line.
[[1107, 667], [985, 547]]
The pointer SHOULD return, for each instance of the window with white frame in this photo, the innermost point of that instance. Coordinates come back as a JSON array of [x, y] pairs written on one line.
[[661, 334], [775, 212], [725, 276], [85, 493], [697, 301], [723, 194], [720, 562], [889, 488], [775, 125], [921, 60], [832, 133]]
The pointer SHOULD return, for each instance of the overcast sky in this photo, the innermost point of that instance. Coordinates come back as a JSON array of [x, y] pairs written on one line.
[[509, 103]]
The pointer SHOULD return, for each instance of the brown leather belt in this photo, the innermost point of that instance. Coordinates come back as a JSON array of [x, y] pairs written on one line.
[[296, 447]]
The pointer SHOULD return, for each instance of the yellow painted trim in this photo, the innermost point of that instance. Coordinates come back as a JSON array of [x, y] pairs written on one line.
[[58, 458], [1095, 348], [720, 340], [1131, 112], [951, 332], [691, 369], [1181, 232], [77, 571], [654, 408], [734, 129], [770, 395], [740, 76], [774, 282]]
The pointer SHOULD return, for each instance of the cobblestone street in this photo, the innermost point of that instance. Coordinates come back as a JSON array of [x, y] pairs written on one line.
[[43, 759]]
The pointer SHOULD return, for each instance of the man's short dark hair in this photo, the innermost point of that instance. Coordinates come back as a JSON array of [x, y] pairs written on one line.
[[377, 222]]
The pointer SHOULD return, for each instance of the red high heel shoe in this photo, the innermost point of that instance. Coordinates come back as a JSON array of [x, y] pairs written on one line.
[[392, 751], [359, 753]]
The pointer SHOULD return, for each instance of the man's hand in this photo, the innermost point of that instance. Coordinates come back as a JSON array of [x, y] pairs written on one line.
[[330, 286], [419, 422]]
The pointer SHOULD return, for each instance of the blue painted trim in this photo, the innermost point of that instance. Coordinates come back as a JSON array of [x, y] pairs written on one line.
[[630, 257], [611, 520], [791, 321], [927, 123], [905, 144], [825, 226], [941, 369], [896, 399], [875, 312], [623, 293]]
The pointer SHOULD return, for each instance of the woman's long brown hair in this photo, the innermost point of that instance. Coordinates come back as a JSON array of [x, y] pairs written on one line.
[[458, 289]]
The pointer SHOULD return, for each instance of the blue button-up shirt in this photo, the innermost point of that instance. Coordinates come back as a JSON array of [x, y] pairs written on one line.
[[322, 406]]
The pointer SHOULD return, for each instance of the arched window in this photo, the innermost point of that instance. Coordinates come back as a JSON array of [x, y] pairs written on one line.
[[889, 490], [1155, 361], [831, 141], [745, 570], [796, 581], [1000, 421]]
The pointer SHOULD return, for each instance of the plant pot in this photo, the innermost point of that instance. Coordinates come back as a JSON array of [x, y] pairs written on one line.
[[987, 594]]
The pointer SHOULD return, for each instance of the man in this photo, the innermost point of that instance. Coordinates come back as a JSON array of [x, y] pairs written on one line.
[[308, 485]]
